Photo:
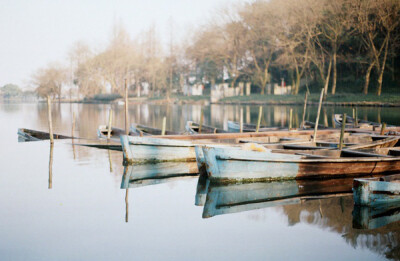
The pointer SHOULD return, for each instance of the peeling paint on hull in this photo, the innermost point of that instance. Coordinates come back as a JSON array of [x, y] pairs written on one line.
[[231, 164], [375, 192]]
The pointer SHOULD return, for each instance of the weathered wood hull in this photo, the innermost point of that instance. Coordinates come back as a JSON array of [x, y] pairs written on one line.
[[236, 164], [25, 135], [102, 132], [152, 150], [233, 198], [149, 174], [375, 192], [193, 128], [248, 127], [141, 130]]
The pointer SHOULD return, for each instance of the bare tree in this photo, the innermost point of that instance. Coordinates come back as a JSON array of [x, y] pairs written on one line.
[[50, 80]]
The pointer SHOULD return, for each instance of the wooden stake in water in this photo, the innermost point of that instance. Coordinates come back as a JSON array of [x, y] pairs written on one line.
[[342, 131], [383, 128], [126, 109], [318, 113], [126, 205], [73, 125], [51, 166], [356, 117], [241, 120], [201, 119], [304, 110], [50, 119], [164, 122], [259, 119], [109, 124], [290, 118]]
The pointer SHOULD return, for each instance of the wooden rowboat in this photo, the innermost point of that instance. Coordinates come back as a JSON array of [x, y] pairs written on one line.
[[141, 130], [249, 127], [193, 128], [34, 135], [232, 198], [363, 124], [181, 147], [231, 164], [138, 149], [377, 191], [102, 132]]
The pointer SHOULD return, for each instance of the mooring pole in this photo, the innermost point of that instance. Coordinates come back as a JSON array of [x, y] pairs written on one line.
[[383, 128], [109, 124], [50, 119], [164, 122], [342, 131], [73, 125], [259, 119], [290, 118], [356, 117], [127, 205], [318, 113], [51, 166], [201, 119], [126, 109], [241, 120], [304, 110]]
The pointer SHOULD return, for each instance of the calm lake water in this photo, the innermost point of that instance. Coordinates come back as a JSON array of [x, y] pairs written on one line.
[[81, 213]]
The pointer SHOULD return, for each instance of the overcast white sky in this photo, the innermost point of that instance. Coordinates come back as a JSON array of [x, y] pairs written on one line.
[[34, 33]]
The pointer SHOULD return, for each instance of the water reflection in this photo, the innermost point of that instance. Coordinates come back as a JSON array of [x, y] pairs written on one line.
[[51, 166], [327, 204], [231, 198], [90, 116], [201, 190], [365, 217], [138, 175]]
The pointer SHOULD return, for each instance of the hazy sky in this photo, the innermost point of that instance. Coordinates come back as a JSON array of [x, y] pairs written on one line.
[[34, 33]]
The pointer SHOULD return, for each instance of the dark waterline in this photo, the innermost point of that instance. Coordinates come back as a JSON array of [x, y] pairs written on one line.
[[83, 216]]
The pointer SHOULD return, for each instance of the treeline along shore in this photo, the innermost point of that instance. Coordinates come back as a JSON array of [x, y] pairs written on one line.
[[263, 49]]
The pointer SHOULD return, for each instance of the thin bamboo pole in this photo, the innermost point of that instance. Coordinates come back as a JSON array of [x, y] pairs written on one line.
[[290, 118], [318, 113], [383, 128], [304, 109], [164, 122], [50, 119], [241, 120], [51, 166], [201, 119], [342, 131], [259, 118], [109, 124], [126, 109]]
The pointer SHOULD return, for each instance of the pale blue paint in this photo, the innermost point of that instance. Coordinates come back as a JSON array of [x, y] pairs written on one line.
[[134, 175], [148, 149], [238, 164], [364, 193], [366, 217], [235, 198]]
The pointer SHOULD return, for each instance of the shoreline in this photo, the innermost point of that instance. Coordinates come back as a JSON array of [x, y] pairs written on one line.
[[340, 100]]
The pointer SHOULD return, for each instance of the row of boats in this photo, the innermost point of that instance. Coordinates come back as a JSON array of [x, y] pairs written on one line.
[[275, 154], [226, 156]]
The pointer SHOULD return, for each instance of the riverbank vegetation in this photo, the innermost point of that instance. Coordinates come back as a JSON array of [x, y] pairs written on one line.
[[346, 46]]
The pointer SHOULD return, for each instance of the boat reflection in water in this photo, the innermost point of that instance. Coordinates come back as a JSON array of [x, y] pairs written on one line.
[[231, 198], [138, 175], [201, 190], [326, 204], [365, 217]]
